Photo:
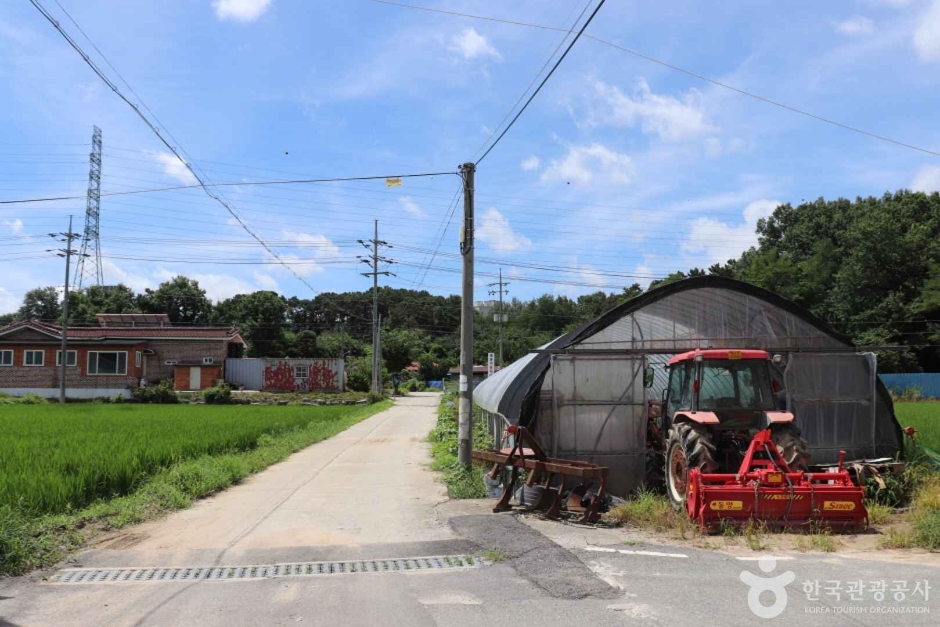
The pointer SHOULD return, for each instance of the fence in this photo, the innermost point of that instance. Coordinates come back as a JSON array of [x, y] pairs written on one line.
[[927, 383], [273, 374]]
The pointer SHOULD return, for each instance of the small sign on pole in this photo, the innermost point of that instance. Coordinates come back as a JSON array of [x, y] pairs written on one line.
[[490, 364]]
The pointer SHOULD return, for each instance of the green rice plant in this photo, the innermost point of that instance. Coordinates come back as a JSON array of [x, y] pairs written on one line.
[[60, 458], [923, 416]]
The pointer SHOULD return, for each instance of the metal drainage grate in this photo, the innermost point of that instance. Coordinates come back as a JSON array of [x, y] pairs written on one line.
[[226, 573]]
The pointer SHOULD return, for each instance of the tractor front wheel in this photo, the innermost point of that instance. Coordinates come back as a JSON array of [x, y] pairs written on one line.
[[791, 446], [689, 446]]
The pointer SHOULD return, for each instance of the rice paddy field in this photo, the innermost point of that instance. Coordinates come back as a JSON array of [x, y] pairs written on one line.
[[57, 459], [923, 416]]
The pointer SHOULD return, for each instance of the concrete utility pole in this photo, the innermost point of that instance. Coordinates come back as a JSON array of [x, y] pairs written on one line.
[[67, 254], [372, 245], [500, 291], [465, 416]]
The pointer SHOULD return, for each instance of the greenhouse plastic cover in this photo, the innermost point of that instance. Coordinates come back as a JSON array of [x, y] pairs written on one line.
[[838, 401]]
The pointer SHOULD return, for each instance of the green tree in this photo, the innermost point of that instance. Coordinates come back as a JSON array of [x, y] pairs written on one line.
[[180, 298], [301, 344], [41, 303], [261, 317], [84, 304]]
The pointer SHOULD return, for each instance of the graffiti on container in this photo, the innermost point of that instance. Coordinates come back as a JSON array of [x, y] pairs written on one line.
[[282, 377]]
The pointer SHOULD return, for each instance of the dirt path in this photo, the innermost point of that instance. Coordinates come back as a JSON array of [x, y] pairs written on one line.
[[366, 485]]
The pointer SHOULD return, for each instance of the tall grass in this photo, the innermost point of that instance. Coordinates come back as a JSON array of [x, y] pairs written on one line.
[[56, 459], [461, 483]]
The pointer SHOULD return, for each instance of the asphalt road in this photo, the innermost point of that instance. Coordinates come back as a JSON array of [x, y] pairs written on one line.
[[366, 496]]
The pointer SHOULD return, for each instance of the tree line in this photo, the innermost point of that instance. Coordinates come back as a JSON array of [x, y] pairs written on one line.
[[870, 267]]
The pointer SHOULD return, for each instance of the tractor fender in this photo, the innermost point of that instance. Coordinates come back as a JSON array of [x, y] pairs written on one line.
[[700, 417], [770, 418]]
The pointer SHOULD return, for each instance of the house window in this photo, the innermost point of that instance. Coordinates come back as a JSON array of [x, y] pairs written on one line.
[[6, 358], [138, 358], [34, 358], [71, 358], [301, 372], [111, 362]]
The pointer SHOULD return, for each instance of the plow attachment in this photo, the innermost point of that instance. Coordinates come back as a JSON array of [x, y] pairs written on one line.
[[543, 469], [765, 490]]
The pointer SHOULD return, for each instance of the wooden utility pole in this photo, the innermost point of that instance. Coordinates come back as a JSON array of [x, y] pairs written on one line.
[[500, 291], [372, 245], [67, 254], [465, 415]]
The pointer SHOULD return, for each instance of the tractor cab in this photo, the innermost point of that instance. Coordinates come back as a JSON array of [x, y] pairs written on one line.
[[716, 401], [730, 389]]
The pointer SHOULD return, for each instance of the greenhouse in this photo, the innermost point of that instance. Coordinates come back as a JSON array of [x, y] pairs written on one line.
[[586, 395]]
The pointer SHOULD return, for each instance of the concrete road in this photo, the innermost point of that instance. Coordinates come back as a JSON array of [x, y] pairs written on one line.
[[366, 496]]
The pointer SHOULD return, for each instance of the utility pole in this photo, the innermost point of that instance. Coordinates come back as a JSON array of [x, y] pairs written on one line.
[[373, 260], [500, 291], [67, 254], [465, 415]]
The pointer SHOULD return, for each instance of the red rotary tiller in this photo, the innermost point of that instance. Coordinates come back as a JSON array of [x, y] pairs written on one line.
[[765, 489]]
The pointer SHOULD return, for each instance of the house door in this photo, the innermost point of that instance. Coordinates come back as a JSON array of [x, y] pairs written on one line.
[[195, 376]]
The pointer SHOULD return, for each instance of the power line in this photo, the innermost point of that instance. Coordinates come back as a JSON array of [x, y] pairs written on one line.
[[676, 68], [206, 186], [444, 226], [542, 84], [156, 131], [536, 77]]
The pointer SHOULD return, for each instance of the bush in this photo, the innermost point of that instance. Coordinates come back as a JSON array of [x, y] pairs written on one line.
[[26, 399], [375, 398], [162, 392], [218, 395]]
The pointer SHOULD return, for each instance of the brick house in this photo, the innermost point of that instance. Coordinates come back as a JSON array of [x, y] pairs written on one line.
[[123, 352]]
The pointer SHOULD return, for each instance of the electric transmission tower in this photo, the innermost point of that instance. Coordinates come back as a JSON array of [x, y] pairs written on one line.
[[89, 271]]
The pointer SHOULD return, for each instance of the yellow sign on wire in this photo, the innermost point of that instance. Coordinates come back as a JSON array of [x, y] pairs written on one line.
[[394, 181]]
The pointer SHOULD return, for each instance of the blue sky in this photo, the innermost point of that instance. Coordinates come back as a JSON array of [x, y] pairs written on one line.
[[621, 170]]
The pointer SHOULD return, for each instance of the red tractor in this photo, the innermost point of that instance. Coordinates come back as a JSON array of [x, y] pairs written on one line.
[[731, 455], [716, 401]]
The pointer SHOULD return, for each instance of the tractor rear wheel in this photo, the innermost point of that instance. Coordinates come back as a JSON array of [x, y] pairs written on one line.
[[791, 446], [689, 446]]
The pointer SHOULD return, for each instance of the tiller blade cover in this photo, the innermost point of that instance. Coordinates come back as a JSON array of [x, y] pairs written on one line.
[[765, 490]]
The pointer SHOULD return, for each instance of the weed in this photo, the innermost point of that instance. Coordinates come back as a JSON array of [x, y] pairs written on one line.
[[462, 483], [494, 556], [754, 533], [878, 514], [647, 510], [898, 539]]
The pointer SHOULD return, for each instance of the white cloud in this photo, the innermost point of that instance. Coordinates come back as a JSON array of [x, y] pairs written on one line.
[[496, 232], [857, 25], [120, 272], [16, 225], [531, 163], [410, 206], [8, 302], [583, 164], [927, 33], [174, 168], [315, 246], [470, 44], [927, 179], [707, 234], [240, 10], [266, 282], [670, 118], [218, 286]]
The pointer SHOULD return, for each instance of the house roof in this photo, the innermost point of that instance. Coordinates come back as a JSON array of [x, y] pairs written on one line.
[[129, 333]]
